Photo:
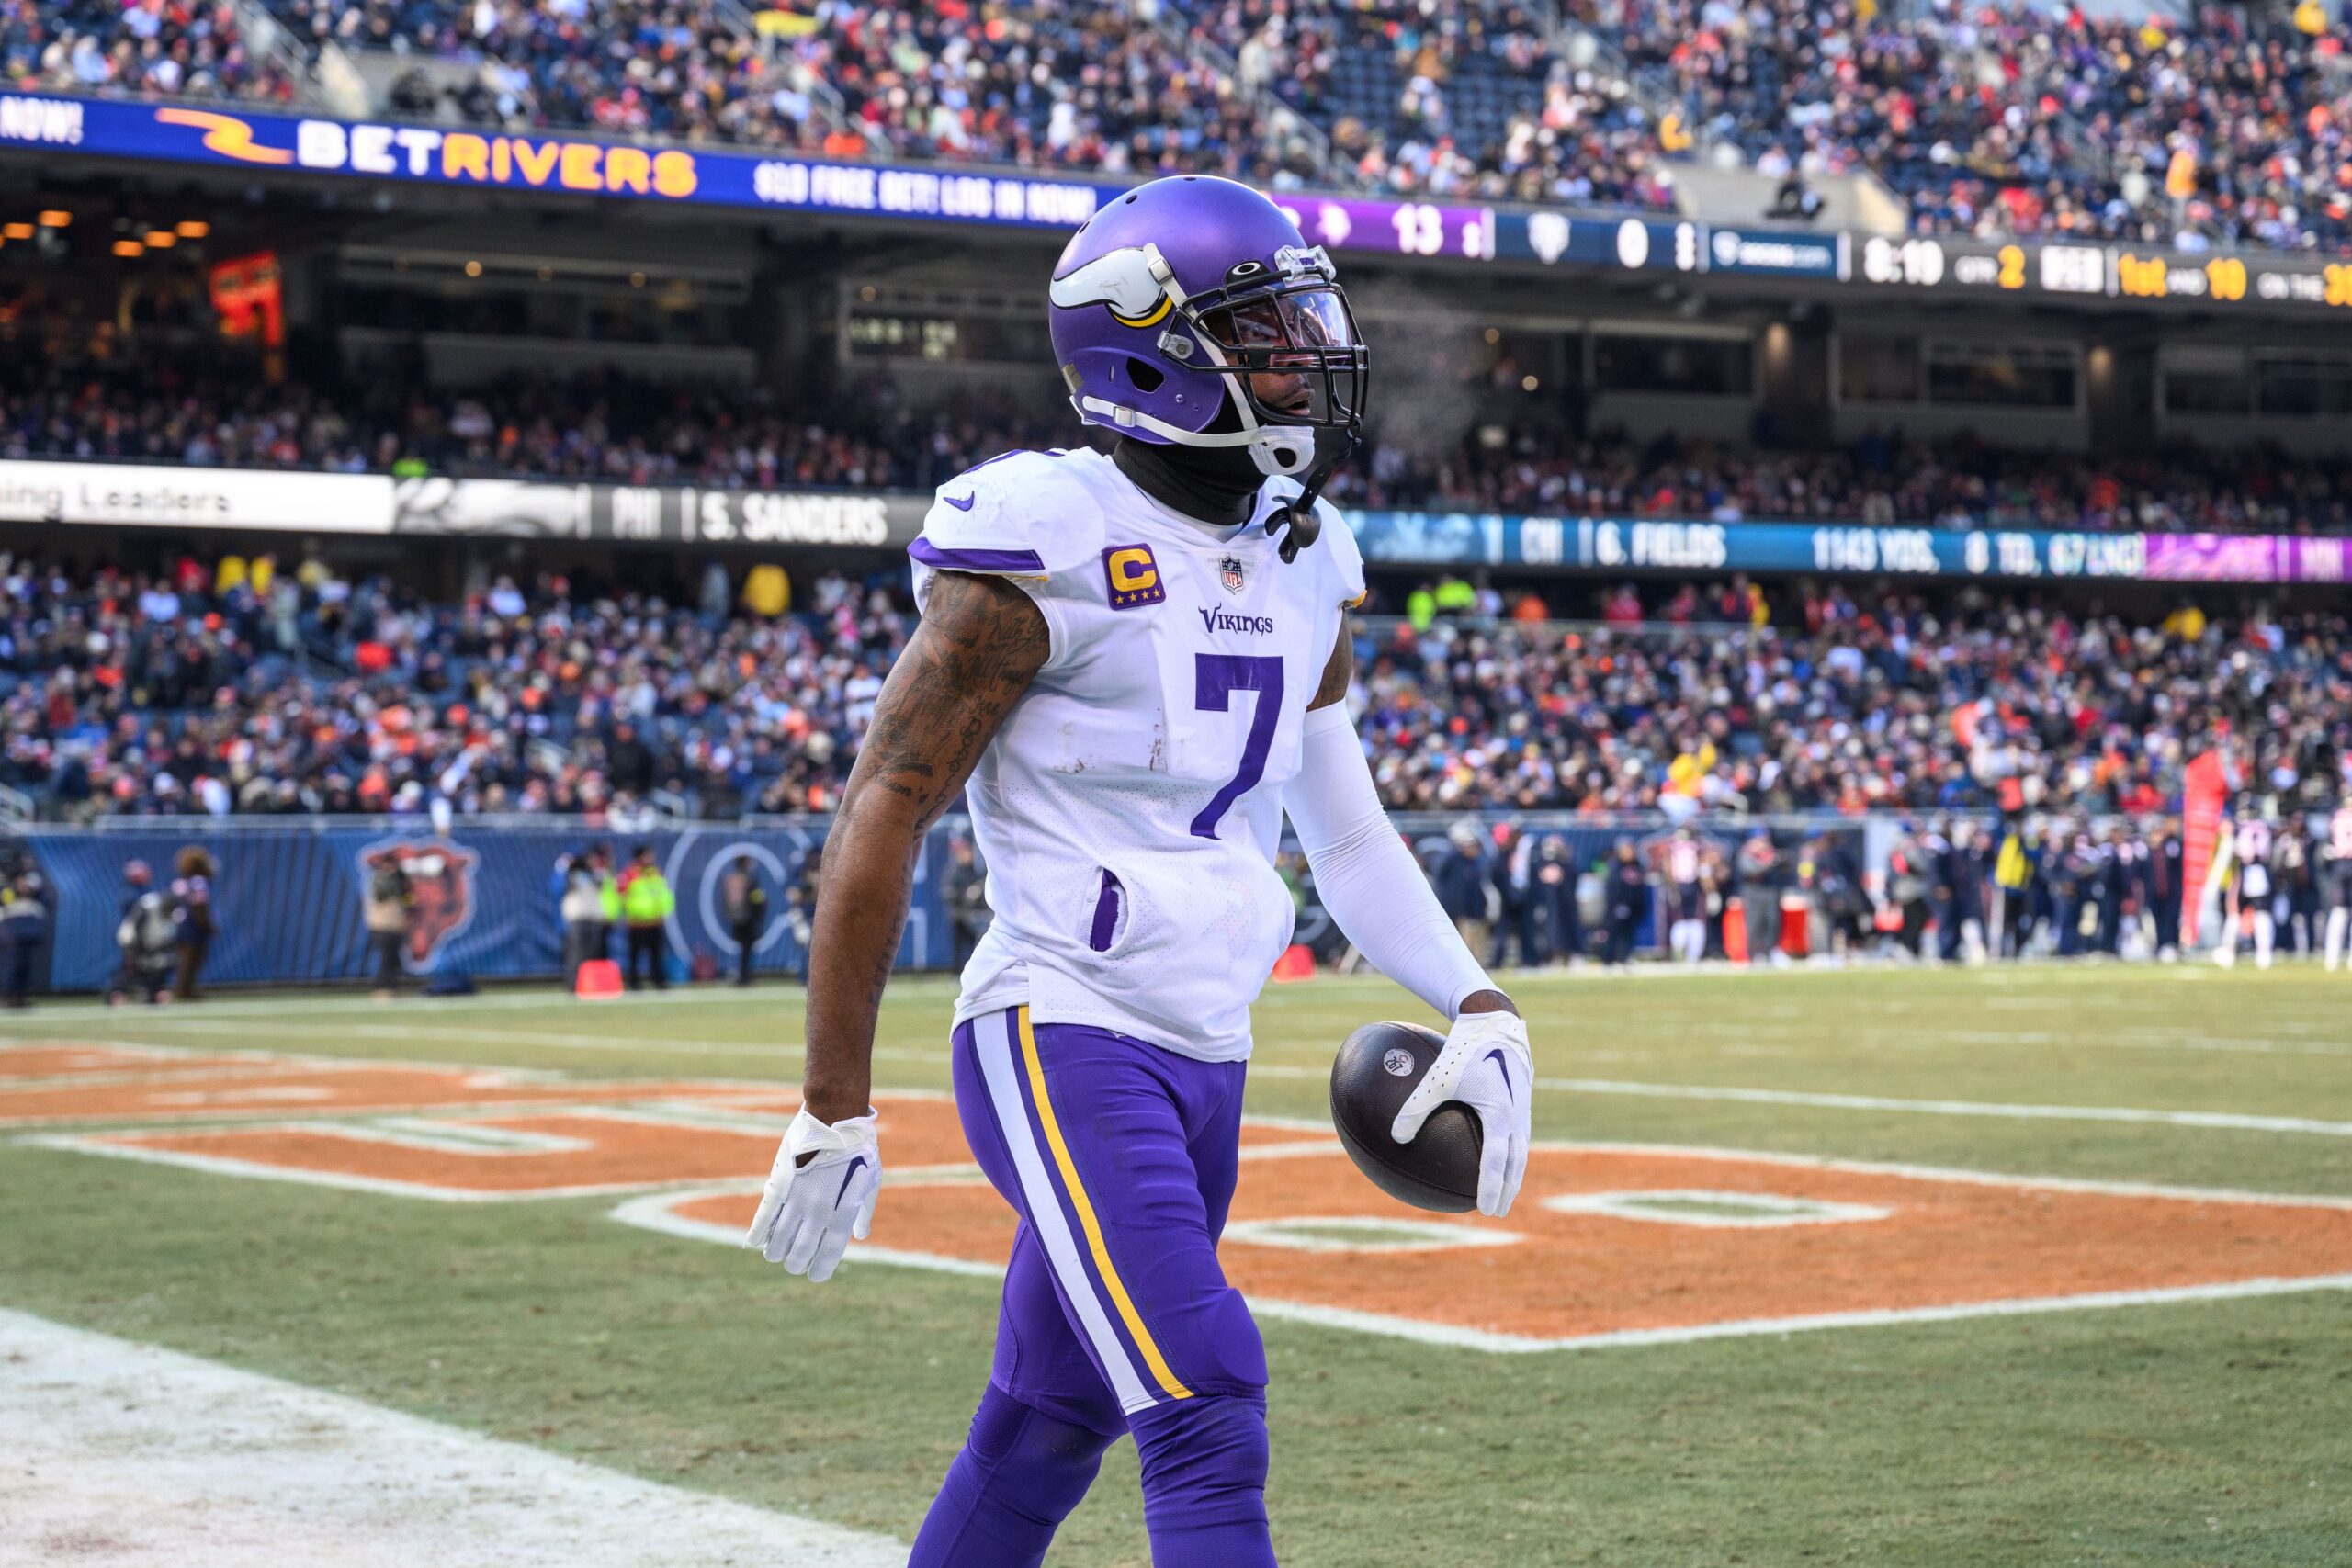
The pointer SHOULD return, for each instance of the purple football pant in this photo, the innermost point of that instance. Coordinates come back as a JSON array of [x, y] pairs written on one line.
[[1120, 1159]]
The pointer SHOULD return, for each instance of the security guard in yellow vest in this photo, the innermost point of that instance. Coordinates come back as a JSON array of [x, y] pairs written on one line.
[[646, 907]]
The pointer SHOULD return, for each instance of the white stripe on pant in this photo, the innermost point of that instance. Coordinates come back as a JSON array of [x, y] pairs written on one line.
[[992, 1042]]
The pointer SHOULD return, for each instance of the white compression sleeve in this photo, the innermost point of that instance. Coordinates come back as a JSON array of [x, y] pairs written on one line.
[[1366, 877]]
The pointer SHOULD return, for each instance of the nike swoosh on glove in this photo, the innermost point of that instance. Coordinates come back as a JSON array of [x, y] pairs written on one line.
[[809, 1213], [1485, 1065]]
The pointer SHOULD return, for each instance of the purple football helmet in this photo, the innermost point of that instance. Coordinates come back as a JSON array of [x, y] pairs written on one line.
[[1171, 299]]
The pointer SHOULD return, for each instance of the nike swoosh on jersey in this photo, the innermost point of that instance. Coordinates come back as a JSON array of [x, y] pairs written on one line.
[[960, 503]]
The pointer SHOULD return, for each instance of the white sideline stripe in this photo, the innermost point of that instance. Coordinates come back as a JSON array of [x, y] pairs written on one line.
[[2230, 1120], [138, 1456], [993, 1047]]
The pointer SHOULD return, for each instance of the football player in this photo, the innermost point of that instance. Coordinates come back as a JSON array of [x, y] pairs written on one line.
[[2249, 888], [1132, 666], [2339, 880]]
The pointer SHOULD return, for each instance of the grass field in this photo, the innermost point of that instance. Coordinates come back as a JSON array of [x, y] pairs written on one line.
[[2188, 1430]]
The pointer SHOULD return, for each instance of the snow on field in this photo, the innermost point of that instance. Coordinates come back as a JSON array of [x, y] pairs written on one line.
[[119, 1455]]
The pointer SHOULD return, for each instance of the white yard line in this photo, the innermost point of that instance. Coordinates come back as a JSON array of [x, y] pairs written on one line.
[[555, 1040], [1958, 1173], [787, 998], [2229, 1120], [134, 1457]]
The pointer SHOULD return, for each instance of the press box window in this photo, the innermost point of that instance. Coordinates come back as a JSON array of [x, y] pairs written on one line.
[[2217, 387], [2304, 389], [1878, 369], [2005, 376], [1691, 366]]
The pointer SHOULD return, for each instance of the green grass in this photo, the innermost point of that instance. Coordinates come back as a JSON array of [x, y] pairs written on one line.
[[2213, 1433]]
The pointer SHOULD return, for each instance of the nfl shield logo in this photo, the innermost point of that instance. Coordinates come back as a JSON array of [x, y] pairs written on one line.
[[1229, 573]]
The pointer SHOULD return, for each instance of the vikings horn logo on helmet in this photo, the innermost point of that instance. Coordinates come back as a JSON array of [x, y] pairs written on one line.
[[1130, 281]]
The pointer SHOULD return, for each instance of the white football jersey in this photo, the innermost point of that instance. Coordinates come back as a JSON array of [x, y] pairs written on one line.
[[1130, 807]]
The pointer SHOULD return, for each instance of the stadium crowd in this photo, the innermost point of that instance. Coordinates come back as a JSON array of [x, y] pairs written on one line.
[[598, 426], [1717, 699], [240, 688], [164, 48], [1992, 120], [248, 686], [2211, 127], [613, 427]]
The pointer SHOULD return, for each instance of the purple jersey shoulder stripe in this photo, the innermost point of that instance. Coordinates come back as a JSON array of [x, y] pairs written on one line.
[[930, 554]]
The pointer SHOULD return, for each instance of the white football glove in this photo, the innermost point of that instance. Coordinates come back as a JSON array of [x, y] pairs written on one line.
[[809, 1213], [1485, 1065]]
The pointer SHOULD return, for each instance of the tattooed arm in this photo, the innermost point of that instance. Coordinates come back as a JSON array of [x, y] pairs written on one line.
[[980, 642], [1339, 671]]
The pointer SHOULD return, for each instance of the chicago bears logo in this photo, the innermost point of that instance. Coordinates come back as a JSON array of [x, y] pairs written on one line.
[[440, 884]]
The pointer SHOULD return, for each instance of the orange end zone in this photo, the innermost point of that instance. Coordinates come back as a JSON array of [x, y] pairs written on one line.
[[1607, 1245], [1630, 1245]]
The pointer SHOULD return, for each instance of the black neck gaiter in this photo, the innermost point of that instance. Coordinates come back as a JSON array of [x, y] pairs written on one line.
[[1217, 485]]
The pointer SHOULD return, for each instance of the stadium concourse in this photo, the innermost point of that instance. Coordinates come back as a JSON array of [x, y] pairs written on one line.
[[2219, 125]]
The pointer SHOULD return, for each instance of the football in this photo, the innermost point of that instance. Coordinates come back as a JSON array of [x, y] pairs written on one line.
[[1375, 1072]]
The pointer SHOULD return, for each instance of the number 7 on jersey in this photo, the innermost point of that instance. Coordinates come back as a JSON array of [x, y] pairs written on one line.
[[1215, 677]]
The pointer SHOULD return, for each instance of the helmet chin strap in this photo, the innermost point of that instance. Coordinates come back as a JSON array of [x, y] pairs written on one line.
[[1297, 513]]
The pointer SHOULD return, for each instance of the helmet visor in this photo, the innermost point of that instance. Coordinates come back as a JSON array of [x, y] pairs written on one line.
[[1296, 352], [1277, 324]]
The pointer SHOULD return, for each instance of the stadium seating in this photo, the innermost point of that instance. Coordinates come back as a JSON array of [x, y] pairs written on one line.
[[245, 687], [252, 689], [158, 47], [608, 426], [1837, 706], [1461, 99], [1989, 121], [1999, 120]]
